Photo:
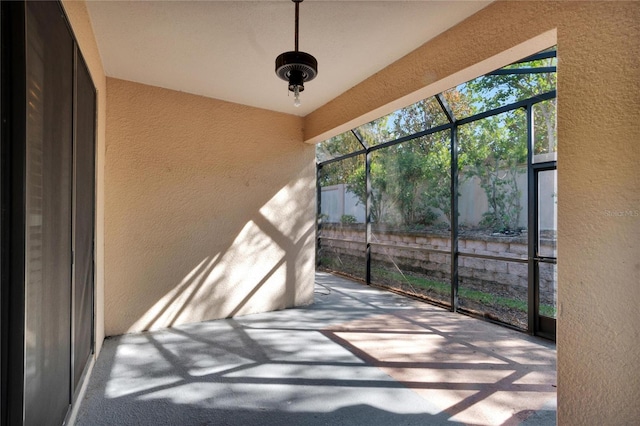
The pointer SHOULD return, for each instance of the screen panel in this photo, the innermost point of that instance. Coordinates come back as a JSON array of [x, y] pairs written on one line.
[[342, 216], [547, 242], [411, 215], [492, 220]]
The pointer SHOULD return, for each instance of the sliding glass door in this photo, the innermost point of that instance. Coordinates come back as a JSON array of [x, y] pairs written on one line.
[[49, 140], [48, 187]]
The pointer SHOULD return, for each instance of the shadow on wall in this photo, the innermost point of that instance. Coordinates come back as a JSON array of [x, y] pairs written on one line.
[[209, 209], [263, 268], [202, 285]]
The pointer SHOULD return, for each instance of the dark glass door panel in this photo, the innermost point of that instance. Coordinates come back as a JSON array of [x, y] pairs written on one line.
[[84, 220], [49, 136]]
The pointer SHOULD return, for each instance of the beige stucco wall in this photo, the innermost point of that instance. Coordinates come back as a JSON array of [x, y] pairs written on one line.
[[81, 25], [598, 338], [209, 209], [181, 225]]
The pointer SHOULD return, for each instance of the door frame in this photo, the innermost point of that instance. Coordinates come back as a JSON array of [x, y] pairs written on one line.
[[13, 150], [539, 325]]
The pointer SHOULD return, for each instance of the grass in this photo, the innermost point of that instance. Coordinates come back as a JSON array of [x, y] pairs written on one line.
[[465, 293], [440, 288], [445, 289]]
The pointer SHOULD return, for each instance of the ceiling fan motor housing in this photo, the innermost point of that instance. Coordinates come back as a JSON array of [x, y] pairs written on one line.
[[296, 67]]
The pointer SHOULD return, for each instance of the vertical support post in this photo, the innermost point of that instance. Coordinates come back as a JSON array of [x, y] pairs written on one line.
[[296, 24], [367, 216], [532, 225], [454, 218], [297, 20], [318, 213], [444, 105]]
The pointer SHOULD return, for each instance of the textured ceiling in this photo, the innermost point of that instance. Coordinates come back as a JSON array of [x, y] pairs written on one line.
[[226, 49]]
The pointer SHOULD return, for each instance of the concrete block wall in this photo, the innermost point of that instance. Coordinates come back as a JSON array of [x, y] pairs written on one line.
[[406, 252]]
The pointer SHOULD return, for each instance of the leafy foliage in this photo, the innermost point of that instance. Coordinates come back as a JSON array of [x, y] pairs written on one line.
[[494, 150], [347, 219], [488, 92], [411, 181]]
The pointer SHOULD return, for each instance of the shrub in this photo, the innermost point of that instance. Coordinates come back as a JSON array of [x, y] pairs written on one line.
[[346, 219]]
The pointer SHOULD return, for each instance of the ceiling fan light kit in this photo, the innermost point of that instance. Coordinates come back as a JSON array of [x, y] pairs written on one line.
[[296, 67]]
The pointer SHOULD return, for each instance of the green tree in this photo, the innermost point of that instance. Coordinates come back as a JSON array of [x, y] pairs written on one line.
[[411, 180], [488, 92], [437, 173], [494, 150], [372, 134], [340, 171], [423, 166], [357, 185]]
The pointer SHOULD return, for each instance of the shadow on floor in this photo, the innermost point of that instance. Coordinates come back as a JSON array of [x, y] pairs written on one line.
[[357, 356]]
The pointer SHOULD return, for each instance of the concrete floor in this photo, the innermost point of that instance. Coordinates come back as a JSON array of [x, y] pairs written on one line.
[[357, 356]]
